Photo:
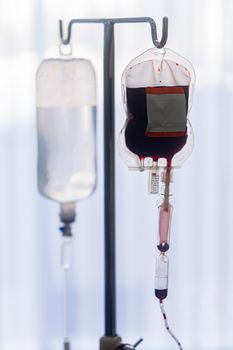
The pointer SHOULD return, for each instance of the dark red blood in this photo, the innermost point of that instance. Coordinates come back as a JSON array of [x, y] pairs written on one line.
[[135, 138]]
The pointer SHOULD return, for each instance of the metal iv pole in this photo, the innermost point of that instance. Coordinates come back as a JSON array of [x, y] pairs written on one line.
[[111, 340]]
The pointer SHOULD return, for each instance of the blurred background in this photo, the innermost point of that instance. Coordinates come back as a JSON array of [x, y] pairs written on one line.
[[200, 305]]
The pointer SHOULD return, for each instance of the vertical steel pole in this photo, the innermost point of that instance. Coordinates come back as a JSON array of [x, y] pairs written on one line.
[[109, 181]]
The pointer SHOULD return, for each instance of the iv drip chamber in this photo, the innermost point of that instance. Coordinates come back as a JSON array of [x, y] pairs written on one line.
[[66, 128], [165, 213]]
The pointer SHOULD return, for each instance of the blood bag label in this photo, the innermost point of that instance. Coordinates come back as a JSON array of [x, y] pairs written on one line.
[[166, 111]]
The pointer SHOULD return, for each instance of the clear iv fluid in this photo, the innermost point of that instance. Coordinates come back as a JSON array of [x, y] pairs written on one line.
[[66, 112], [66, 152]]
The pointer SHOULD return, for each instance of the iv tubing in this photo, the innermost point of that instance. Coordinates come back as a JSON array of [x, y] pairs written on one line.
[[66, 265], [167, 185], [65, 308], [167, 326]]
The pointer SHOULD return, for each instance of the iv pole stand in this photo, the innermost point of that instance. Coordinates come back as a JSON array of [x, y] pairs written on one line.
[[111, 340]]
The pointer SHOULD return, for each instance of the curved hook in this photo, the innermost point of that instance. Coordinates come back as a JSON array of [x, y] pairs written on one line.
[[67, 40], [163, 40], [159, 44]]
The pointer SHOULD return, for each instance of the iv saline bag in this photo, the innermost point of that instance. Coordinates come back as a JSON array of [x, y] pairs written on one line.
[[157, 89], [66, 124]]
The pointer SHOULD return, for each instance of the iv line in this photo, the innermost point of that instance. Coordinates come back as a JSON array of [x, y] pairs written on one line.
[[65, 308], [66, 265], [167, 326], [67, 216]]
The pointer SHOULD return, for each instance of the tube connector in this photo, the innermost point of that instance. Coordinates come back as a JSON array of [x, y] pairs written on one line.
[[66, 230]]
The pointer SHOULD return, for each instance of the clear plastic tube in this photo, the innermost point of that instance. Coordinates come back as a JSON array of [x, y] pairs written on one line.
[[167, 326], [66, 247]]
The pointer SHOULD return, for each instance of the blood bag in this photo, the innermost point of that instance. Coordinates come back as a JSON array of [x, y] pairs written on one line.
[[66, 124], [157, 89]]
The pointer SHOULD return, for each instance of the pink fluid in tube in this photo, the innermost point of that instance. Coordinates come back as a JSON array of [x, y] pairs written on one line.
[[165, 212]]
